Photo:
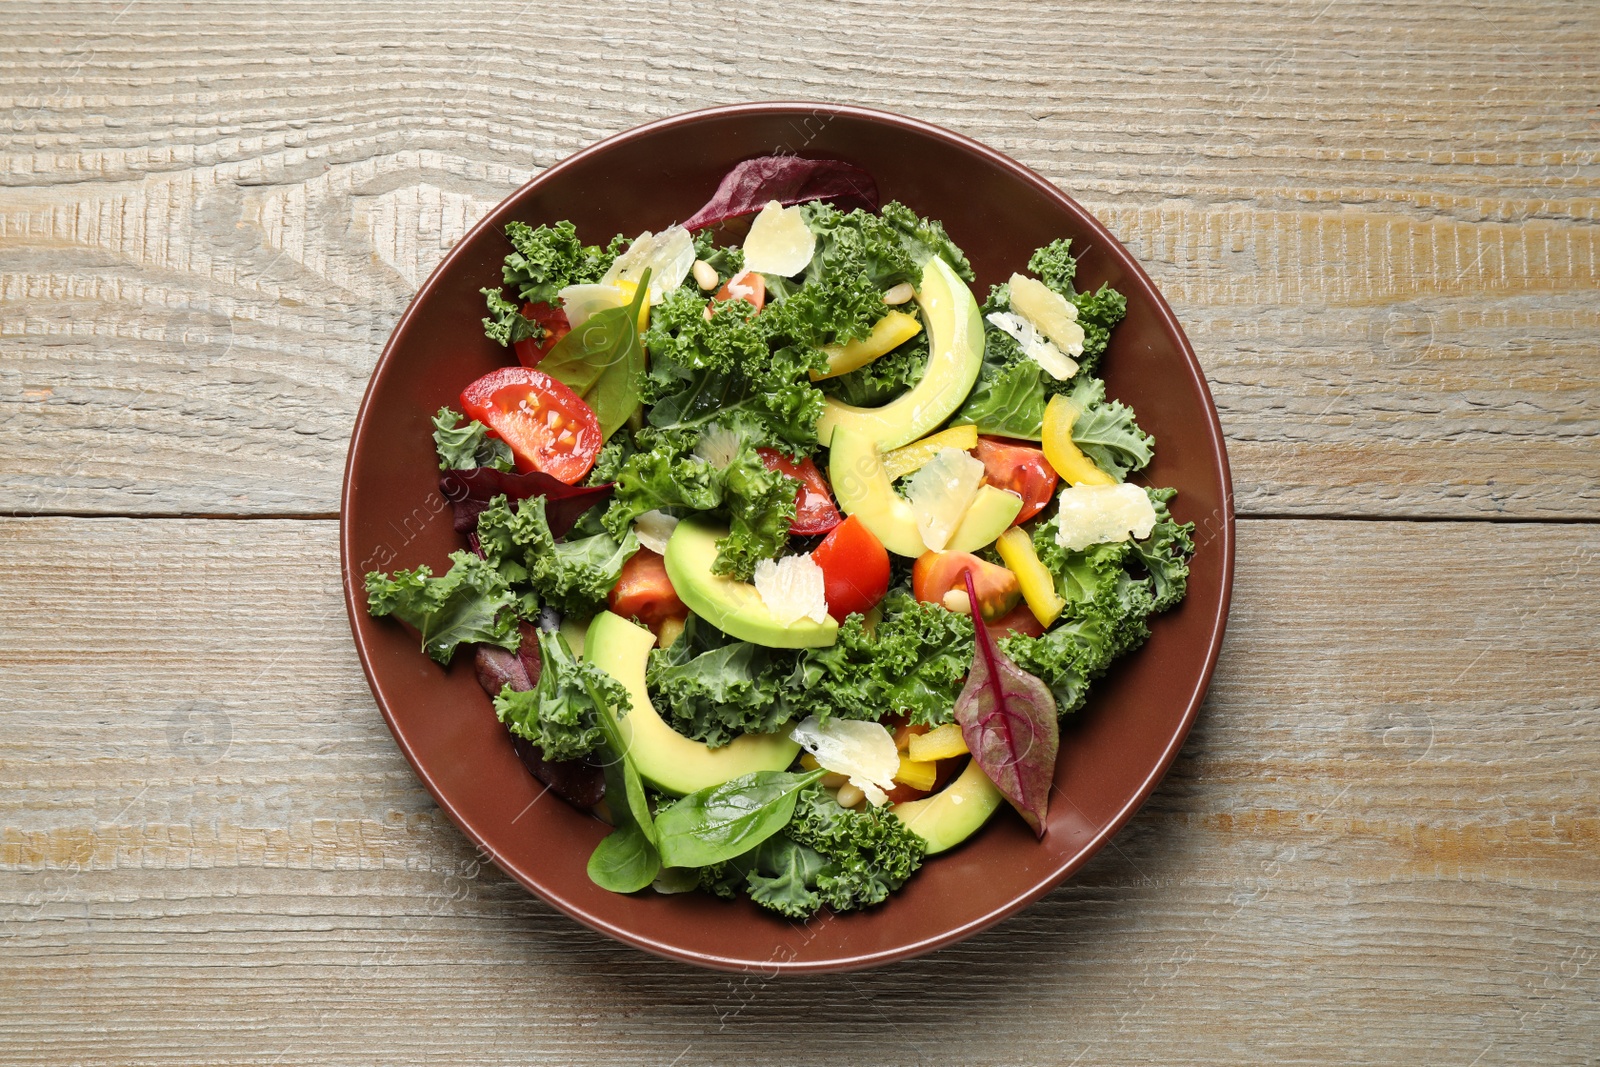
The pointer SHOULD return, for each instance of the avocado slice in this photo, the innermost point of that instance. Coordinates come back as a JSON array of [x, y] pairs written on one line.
[[954, 813], [855, 466], [665, 758], [955, 355], [732, 606]]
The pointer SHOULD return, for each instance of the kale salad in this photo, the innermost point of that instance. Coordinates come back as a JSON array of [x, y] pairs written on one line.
[[783, 554]]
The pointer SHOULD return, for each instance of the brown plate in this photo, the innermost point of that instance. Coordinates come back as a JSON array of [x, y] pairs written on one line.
[[1113, 752]]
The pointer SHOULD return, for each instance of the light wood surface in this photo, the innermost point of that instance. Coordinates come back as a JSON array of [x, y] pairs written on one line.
[[1377, 222]]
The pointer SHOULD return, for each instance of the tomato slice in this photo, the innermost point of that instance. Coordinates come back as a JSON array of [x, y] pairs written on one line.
[[747, 285], [855, 569], [644, 592], [937, 573], [553, 320], [814, 512], [547, 426], [1019, 468], [1019, 620]]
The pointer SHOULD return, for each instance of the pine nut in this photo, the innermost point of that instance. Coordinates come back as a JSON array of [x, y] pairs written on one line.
[[850, 796], [899, 294], [705, 275]]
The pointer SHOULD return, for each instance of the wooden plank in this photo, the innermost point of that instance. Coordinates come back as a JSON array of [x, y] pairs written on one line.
[[1378, 846], [1388, 268]]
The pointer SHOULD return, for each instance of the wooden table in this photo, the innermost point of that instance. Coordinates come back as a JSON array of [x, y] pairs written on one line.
[[1379, 220]]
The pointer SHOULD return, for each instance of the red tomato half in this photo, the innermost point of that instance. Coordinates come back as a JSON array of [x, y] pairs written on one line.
[[1019, 468], [855, 569], [937, 573], [747, 285], [814, 512], [553, 320], [644, 592], [547, 426]]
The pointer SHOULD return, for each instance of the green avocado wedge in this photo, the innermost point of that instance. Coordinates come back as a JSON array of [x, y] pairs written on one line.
[[954, 813], [663, 757], [855, 467], [955, 355], [732, 606]]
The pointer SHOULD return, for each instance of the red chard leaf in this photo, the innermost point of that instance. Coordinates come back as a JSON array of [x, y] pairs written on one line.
[[748, 187], [470, 491], [1008, 719]]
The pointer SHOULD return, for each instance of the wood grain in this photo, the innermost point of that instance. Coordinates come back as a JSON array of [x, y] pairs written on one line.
[[1376, 218], [1378, 846]]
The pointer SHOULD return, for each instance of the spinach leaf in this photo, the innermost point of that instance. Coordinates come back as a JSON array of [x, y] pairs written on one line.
[[603, 362], [728, 820]]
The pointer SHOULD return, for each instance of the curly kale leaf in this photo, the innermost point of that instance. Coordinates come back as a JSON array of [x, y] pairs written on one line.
[[760, 505], [467, 447], [1105, 431], [1098, 312], [1055, 265], [884, 378], [913, 661], [572, 576], [469, 603], [889, 247], [666, 475], [546, 259], [559, 714], [506, 324], [783, 877], [712, 687], [866, 854]]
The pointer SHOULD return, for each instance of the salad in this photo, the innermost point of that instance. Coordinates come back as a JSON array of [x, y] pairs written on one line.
[[783, 554]]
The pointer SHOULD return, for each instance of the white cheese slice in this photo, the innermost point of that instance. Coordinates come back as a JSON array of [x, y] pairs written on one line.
[[1051, 313], [779, 241], [581, 302], [669, 255], [1035, 345], [862, 751], [654, 529], [1096, 514], [792, 589], [941, 492]]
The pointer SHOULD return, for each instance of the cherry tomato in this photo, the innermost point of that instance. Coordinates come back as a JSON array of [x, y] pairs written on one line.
[[937, 573], [553, 320], [644, 592], [1019, 620], [747, 285], [814, 512], [855, 569], [1021, 469], [547, 426]]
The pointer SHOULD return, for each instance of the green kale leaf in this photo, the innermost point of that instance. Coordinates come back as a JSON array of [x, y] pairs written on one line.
[[572, 576], [506, 323], [713, 688], [546, 259], [471, 602], [884, 378], [866, 854], [559, 714], [1105, 431], [467, 447], [760, 505], [913, 661]]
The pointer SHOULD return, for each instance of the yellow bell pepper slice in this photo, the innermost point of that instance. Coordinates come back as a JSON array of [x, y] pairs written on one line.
[[1038, 585], [1074, 467], [628, 289], [908, 459], [916, 775], [942, 742], [888, 333]]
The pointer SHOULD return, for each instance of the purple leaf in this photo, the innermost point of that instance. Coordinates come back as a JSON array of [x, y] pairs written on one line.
[[576, 781], [1008, 719], [470, 491], [789, 180]]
